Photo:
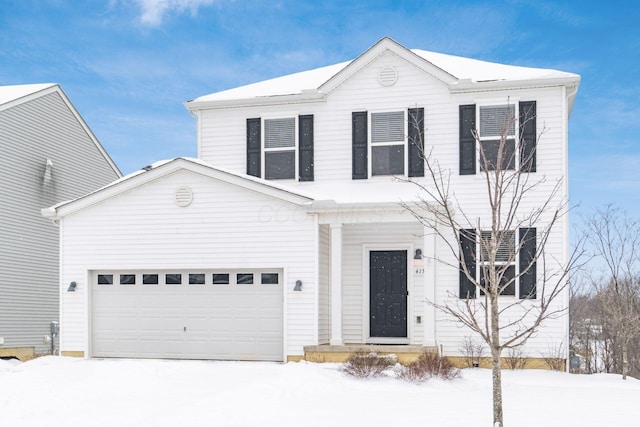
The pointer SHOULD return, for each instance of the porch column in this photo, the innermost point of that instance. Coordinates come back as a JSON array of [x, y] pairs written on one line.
[[430, 281], [336, 284]]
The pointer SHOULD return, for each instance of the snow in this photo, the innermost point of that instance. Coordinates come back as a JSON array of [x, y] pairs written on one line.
[[457, 66], [60, 391], [11, 93]]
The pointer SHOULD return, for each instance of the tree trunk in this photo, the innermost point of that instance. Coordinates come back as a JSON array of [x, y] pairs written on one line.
[[495, 364], [625, 358]]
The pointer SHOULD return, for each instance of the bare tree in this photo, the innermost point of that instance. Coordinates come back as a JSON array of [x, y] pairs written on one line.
[[616, 242], [496, 253]]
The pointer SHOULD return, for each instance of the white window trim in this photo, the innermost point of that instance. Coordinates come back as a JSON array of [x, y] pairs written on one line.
[[404, 143], [515, 263], [496, 103], [263, 149]]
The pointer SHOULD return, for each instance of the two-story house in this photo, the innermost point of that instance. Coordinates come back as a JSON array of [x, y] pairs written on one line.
[[287, 235], [48, 154]]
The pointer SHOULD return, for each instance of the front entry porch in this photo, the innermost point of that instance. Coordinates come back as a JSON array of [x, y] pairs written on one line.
[[340, 353]]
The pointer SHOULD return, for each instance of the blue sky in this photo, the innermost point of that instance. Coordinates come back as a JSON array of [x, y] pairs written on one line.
[[128, 66]]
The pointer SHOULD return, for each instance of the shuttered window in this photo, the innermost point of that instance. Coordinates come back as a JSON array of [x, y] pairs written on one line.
[[497, 132], [279, 146], [517, 267]]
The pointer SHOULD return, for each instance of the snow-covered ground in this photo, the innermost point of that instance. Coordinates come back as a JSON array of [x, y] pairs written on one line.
[[58, 391]]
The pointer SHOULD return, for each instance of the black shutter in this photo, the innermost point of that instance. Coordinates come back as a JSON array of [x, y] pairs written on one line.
[[359, 140], [305, 149], [468, 256], [527, 261], [528, 136], [467, 139], [416, 141], [253, 147]]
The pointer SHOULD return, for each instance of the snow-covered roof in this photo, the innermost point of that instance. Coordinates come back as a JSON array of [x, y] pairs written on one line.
[[11, 93], [457, 69]]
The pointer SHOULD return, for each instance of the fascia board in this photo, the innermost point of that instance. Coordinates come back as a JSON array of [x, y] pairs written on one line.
[[28, 97], [468, 86], [307, 96]]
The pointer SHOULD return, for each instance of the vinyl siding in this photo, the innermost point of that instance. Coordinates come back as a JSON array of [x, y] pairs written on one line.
[[225, 227], [30, 133], [222, 143]]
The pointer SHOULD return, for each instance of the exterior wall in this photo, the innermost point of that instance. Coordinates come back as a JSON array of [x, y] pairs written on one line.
[[357, 238], [222, 142], [225, 227], [30, 133]]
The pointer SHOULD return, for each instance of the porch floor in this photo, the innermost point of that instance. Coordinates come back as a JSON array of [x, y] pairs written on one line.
[[406, 353]]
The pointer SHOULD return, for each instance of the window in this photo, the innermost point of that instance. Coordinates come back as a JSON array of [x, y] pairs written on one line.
[[173, 279], [220, 278], [127, 279], [105, 279], [244, 278], [280, 148], [515, 260], [497, 133], [149, 279], [269, 278], [196, 278], [505, 260], [388, 143]]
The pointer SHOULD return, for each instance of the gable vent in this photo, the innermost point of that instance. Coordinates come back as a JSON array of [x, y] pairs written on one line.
[[388, 76], [184, 197]]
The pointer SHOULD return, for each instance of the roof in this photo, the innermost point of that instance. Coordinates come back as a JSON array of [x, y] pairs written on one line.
[[455, 71], [15, 92]]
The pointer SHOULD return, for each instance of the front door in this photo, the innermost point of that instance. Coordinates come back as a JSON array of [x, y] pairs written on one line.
[[388, 294]]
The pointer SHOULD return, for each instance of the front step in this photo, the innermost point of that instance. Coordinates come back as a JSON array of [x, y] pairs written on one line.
[[340, 353]]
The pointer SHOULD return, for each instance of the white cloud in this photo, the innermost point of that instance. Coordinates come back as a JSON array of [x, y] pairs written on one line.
[[154, 11]]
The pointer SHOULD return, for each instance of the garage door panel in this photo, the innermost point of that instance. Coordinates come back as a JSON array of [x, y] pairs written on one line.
[[207, 321]]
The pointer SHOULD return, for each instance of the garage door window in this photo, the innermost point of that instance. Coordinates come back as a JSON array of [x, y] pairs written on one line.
[[269, 279], [173, 279], [196, 279], [105, 279], [220, 278], [149, 279], [127, 279], [244, 278]]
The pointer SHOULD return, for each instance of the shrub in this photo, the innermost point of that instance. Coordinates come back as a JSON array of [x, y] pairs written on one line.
[[362, 364], [515, 359], [427, 366], [472, 352]]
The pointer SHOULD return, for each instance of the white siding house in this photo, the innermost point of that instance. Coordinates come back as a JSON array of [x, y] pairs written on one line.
[[301, 178], [47, 155]]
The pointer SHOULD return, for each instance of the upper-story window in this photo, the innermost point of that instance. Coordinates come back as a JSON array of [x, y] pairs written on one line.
[[280, 148], [388, 143], [497, 132], [492, 131]]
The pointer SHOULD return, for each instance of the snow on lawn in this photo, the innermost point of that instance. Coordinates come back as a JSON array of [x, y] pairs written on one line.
[[59, 391]]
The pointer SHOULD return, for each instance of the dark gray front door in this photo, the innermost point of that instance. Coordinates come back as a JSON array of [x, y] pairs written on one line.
[[388, 294]]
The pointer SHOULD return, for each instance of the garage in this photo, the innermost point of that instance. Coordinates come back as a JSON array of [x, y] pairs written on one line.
[[179, 314]]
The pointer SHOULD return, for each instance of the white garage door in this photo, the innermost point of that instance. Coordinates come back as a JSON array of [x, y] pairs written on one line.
[[227, 315]]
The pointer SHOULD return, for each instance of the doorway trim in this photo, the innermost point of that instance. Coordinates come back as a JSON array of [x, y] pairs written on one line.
[[366, 292]]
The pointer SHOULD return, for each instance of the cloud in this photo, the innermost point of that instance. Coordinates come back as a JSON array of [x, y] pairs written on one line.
[[154, 11]]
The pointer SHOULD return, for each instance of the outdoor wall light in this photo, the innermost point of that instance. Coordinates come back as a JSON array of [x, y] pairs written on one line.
[[72, 287], [298, 286], [418, 254]]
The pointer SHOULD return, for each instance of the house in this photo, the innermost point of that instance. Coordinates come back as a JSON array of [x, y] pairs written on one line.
[[286, 237], [47, 155]]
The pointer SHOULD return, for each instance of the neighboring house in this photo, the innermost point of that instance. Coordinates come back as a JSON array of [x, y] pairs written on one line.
[[275, 243], [47, 155]]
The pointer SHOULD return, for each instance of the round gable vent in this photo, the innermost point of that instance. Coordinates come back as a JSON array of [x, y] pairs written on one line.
[[184, 197], [388, 76]]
